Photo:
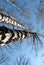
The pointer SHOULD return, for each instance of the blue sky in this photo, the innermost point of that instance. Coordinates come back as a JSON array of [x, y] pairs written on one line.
[[23, 47]]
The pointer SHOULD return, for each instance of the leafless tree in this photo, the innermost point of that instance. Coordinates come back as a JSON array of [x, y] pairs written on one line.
[[22, 61], [40, 11], [13, 3], [40, 14]]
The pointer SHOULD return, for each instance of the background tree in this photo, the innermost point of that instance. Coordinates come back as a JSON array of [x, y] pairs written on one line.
[[31, 14], [22, 61]]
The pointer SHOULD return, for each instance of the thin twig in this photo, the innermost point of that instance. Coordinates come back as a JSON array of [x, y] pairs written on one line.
[[23, 12]]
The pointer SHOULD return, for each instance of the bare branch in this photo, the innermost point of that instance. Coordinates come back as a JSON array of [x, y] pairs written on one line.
[[22, 61], [22, 12]]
